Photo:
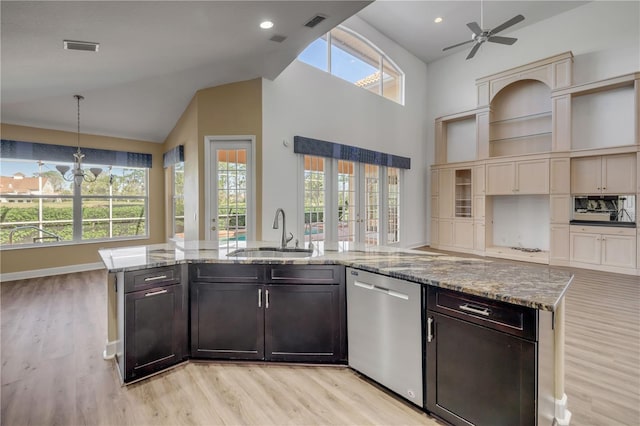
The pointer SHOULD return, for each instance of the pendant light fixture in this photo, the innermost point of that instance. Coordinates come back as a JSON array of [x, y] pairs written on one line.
[[78, 174]]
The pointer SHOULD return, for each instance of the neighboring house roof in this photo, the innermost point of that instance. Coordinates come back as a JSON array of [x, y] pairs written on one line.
[[369, 80], [19, 184]]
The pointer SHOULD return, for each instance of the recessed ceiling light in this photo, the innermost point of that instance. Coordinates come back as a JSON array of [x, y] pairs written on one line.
[[265, 25], [437, 20]]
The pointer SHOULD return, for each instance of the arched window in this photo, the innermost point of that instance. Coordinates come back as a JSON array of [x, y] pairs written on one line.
[[351, 57]]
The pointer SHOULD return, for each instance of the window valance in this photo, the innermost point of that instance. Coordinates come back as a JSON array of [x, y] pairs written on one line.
[[173, 156], [320, 148], [62, 153]]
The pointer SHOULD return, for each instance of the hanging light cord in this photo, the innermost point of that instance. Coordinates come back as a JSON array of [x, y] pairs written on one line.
[[78, 98]]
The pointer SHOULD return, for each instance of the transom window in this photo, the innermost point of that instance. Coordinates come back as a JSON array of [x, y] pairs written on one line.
[[353, 58]]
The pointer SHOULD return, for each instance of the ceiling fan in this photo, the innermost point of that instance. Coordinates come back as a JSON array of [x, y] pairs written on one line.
[[481, 35]]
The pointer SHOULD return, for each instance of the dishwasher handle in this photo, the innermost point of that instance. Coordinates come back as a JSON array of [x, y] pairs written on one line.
[[379, 289]]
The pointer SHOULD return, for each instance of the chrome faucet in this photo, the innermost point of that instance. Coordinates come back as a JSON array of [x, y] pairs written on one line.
[[285, 240], [310, 235]]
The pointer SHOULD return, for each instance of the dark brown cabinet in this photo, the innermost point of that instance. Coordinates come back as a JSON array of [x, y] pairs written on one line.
[[292, 313], [227, 321], [153, 329], [480, 360]]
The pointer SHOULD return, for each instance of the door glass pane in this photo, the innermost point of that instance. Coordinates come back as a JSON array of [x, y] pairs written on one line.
[[346, 201], [314, 196], [393, 205], [231, 171], [371, 204]]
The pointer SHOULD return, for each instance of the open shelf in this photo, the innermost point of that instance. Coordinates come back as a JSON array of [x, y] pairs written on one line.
[[544, 114], [515, 254]]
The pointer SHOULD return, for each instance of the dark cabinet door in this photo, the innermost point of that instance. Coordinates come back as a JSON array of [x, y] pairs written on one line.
[[304, 323], [154, 330], [479, 376], [227, 320]]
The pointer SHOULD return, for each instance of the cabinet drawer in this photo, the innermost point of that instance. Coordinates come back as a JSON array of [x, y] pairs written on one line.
[[150, 278], [227, 273], [517, 320], [305, 274]]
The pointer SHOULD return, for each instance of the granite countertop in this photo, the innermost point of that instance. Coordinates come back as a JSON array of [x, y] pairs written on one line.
[[534, 286]]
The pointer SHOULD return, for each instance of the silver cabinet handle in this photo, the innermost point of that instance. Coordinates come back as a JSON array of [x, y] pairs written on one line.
[[476, 310], [429, 329], [153, 293], [259, 298], [159, 277], [266, 293]]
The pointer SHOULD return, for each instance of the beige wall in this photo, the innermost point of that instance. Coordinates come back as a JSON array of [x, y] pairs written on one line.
[[230, 109], [185, 133], [19, 260]]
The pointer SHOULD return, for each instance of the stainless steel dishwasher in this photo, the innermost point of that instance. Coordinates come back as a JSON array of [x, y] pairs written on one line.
[[384, 332]]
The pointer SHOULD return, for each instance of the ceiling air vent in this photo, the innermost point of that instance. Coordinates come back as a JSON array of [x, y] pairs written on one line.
[[315, 21], [278, 38], [87, 46]]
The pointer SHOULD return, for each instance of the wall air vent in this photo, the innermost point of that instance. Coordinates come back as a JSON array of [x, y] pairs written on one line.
[[278, 38], [87, 46], [315, 21]]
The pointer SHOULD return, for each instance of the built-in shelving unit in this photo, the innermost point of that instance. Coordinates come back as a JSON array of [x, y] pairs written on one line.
[[538, 139], [521, 120]]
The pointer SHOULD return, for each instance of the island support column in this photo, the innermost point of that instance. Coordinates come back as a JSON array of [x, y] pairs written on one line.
[[112, 315], [562, 415]]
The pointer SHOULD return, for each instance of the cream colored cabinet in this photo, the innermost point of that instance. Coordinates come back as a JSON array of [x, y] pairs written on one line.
[[585, 248], [619, 250], [608, 174], [478, 180], [478, 208], [559, 247], [434, 242], [479, 229], [518, 177], [500, 178], [445, 233], [463, 234], [445, 193], [560, 180], [610, 247], [560, 209]]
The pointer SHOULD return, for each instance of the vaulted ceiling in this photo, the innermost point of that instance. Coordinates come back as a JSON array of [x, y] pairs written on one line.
[[154, 55]]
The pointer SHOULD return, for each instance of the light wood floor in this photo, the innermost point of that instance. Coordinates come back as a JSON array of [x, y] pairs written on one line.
[[53, 332]]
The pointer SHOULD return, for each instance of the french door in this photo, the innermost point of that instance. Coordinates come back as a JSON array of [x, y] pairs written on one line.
[[358, 202], [230, 215]]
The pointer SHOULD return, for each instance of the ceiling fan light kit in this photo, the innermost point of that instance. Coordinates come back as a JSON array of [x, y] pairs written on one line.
[[481, 35]]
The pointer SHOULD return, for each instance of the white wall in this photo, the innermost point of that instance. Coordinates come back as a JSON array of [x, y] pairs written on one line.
[[308, 102], [604, 37]]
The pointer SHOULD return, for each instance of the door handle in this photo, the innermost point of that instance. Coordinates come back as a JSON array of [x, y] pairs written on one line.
[[429, 329], [475, 310], [153, 293], [266, 294], [159, 277], [259, 298]]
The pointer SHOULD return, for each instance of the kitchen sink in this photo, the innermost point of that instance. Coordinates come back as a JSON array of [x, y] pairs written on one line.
[[271, 252]]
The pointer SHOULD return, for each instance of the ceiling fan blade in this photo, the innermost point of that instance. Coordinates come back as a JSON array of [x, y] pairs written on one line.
[[474, 49], [475, 28], [505, 25], [459, 44], [502, 40]]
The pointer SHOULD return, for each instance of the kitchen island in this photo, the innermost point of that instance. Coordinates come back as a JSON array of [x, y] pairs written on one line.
[[531, 288]]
